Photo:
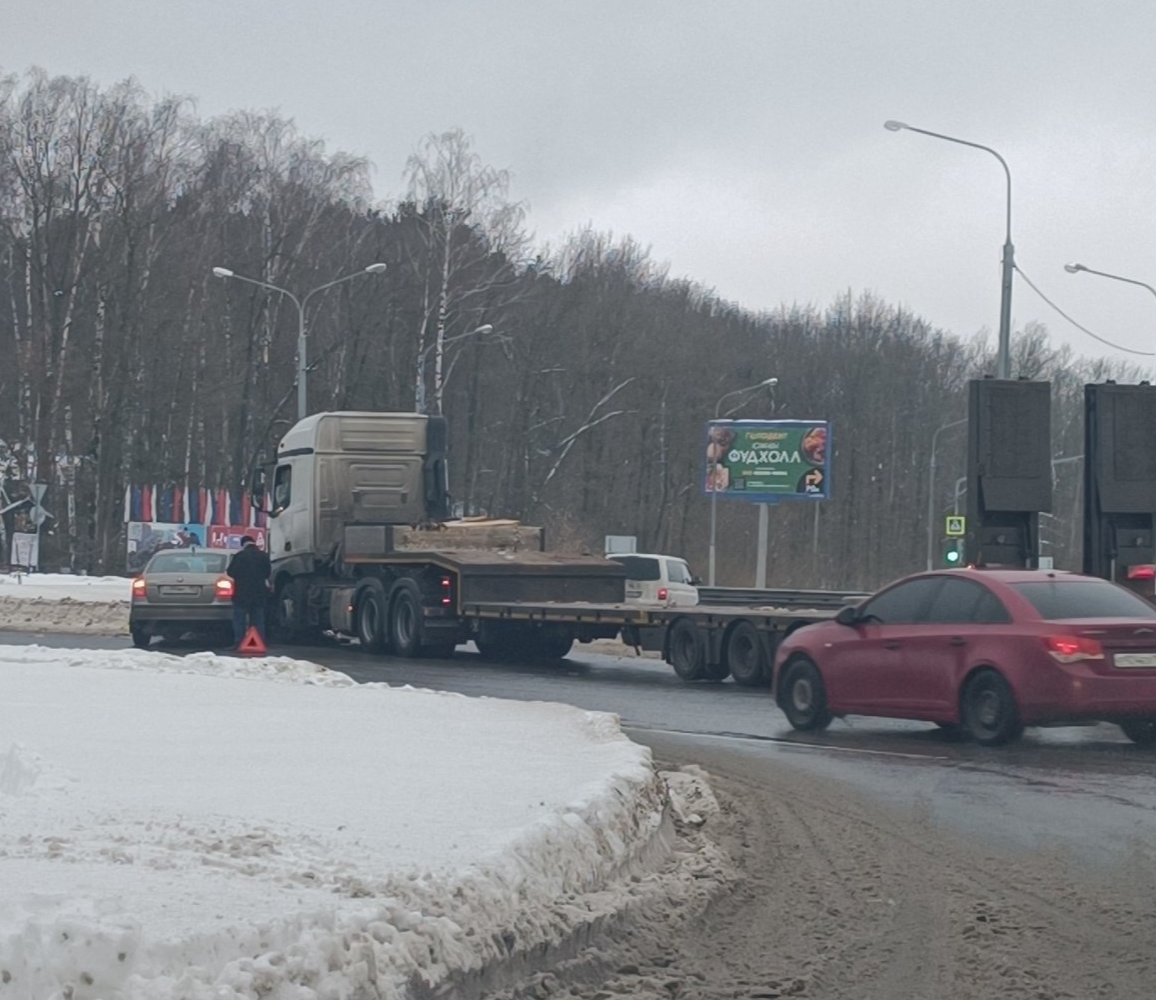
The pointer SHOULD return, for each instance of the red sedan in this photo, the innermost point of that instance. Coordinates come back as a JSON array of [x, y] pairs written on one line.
[[991, 651]]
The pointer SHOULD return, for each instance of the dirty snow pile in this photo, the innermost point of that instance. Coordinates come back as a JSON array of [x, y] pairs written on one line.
[[206, 827], [60, 602]]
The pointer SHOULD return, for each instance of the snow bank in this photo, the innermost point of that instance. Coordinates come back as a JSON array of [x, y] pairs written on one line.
[[58, 602], [206, 827]]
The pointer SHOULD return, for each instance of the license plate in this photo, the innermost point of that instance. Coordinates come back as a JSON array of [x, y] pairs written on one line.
[[172, 591], [1135, 659]]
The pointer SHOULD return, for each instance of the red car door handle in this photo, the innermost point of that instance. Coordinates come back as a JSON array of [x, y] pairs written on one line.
[[957, 640], [890, 645]]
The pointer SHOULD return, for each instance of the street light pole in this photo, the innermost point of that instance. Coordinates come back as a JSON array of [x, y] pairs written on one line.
[[1003, 359], [931, 492], [419, 381], [771, 382], [302, 366], [1076, 268]]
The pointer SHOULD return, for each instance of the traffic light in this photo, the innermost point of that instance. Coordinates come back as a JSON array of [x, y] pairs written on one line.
[[953, 552]]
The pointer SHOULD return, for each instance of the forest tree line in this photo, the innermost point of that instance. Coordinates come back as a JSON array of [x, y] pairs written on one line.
[[576, 379]]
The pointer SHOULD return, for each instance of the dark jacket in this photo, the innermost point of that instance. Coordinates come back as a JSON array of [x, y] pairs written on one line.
[[250, 570]]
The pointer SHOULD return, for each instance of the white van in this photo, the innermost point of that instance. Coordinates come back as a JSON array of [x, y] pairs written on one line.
[[657, 579]]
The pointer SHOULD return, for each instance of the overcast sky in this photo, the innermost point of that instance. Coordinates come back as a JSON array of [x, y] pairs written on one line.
[[742, 141]]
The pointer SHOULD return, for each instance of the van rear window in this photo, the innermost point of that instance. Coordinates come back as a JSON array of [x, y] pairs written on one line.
[[639, 567]]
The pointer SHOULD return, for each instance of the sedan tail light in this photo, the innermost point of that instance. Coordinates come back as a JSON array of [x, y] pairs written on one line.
[[223, 589], [139, 589], [1073, 648]]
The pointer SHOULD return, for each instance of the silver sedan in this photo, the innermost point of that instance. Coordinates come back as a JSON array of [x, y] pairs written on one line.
[[183, 591]]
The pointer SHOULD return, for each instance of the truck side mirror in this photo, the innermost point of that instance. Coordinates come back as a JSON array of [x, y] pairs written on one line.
[[257, 487]]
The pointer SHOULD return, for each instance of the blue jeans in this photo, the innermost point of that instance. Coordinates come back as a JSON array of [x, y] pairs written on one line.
[[245, 615]]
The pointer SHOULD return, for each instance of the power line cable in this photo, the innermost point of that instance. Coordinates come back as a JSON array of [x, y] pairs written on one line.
[[1079, 326]]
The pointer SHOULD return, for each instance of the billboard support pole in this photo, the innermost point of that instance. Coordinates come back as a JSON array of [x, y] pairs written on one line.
[[713, 524], [761, 568]]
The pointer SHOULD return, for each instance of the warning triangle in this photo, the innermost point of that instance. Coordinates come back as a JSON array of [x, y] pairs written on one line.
[[252, 644]]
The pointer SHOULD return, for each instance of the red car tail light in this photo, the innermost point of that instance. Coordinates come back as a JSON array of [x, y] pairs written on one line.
[[1143, 572], [1073, 648], [223, 589], [663, 593], [447, 592], [139, 589]]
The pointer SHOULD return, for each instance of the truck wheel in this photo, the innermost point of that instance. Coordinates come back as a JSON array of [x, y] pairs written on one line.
[[290, 619], [372, 623], [802, 696], [745, 656], [687, 650], [140, 637], [405, 619]]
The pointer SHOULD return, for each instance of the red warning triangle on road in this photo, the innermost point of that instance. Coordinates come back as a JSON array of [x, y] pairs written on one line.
[[252, 644]]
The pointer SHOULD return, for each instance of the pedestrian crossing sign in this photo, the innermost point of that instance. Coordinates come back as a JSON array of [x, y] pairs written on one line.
[[956, 526]]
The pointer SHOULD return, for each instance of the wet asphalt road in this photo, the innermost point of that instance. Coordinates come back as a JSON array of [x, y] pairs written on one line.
[[1086, 791]]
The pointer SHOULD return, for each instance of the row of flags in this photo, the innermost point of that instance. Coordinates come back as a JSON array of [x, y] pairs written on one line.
[[185, 505]]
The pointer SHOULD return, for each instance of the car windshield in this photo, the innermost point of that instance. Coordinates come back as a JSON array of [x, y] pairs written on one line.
[[188, 562], [1056, 600]]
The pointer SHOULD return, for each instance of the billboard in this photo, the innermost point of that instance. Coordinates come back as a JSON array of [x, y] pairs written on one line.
[[767, 460], [146, 538]]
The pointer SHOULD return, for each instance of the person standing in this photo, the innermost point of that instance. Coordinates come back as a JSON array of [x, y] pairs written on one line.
[[250, 569]]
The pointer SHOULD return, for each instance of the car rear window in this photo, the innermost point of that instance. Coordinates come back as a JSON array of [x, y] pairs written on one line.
[[188, 562], [639, 567], [1056, 600]]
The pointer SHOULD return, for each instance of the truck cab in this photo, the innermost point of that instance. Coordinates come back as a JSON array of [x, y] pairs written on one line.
[[349, 467]]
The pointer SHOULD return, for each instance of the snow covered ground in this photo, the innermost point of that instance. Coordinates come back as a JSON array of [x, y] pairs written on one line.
[[60, 586], [207, 827], [58, 602]]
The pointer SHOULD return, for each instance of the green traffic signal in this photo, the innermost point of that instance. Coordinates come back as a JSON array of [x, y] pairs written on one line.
[[952, 557]]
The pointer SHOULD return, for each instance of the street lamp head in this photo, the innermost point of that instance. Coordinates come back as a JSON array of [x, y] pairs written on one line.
[[893, 126], [375, 268], [1073, 268], [222, 272], [769, 381], [485, 328]]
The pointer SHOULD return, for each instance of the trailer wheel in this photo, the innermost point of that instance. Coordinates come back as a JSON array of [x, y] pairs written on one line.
[[405, 619], [745, 656], [555, 646], [687, 650], [372, 624]]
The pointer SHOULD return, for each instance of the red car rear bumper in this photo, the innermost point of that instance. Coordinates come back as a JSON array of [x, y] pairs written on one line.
[[1081, 692]]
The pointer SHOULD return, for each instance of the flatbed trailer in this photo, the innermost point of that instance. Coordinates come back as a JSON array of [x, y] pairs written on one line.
[[704, 643], [425, 603]]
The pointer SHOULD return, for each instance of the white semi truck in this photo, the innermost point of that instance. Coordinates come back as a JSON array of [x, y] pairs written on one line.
[[361, 547]]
